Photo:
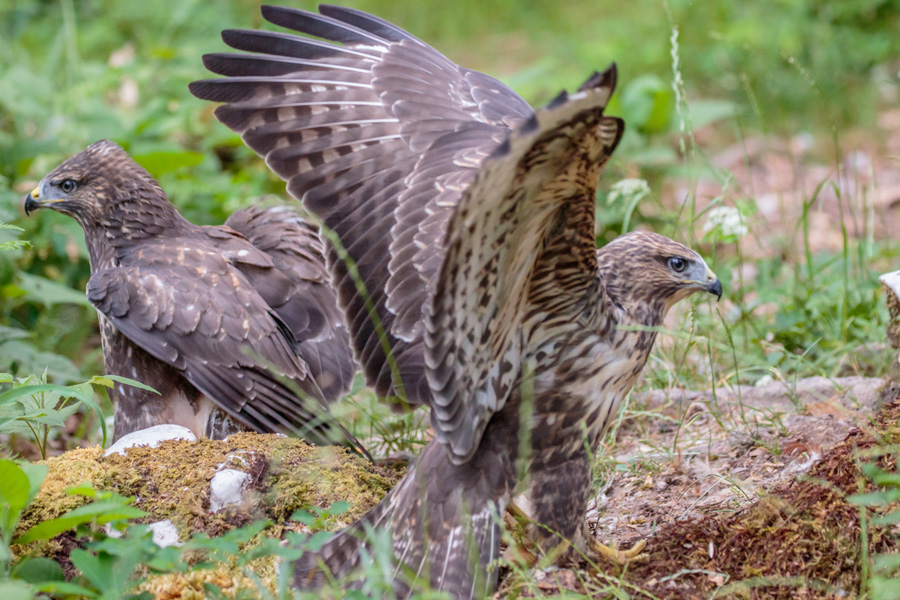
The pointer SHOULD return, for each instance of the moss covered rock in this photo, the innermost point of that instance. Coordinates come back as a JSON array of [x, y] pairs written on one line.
[[172, 482]]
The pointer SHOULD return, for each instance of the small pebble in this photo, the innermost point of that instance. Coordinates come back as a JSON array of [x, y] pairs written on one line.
[[165, 534], [227, 487]]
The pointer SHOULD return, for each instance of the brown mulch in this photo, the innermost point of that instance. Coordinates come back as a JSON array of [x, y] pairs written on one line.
[[802, 540]]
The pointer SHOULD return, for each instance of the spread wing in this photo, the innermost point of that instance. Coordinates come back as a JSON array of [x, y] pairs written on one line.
[[378, 134], [310, 308], [187, 306], [521, 261]]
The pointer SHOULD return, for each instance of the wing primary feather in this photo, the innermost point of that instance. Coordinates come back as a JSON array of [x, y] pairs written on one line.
[[239, 65], [368, 22], [277, 43], [318, 25]]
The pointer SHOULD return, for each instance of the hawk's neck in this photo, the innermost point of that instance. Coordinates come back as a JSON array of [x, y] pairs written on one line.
[[132, 221]]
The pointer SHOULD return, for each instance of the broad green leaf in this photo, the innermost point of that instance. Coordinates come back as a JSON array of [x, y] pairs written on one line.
[[48, 293], [36, 475], [107, 379], [63, 588], [879, 498], [101, 512], [50, 418], [30, 390], [891, 518], [648, 103], [884, 588], [880, 476], [338, 508], [86, 489], [14, 486], [13, 333], [105, 511], [886, 562], [67, 411], [21, 354], [13, 589], [102, 571], [38, 569]]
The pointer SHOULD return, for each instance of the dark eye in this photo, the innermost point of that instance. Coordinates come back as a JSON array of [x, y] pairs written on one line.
[[677, 264], [67, 186]]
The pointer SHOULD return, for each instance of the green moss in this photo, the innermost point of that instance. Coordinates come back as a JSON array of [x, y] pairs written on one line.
[[172, 482]]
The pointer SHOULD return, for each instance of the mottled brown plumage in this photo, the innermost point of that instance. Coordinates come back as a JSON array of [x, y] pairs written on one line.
[[466, 264], [235, 326]]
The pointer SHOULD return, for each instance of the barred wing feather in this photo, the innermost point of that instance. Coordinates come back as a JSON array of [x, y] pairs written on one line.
[[378, 134], [531, 202]]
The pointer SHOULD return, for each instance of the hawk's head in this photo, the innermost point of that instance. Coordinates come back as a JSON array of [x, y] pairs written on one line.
[[648, 272], [94, 183]]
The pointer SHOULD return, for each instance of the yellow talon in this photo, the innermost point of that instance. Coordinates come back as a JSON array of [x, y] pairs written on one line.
[[619, 557]]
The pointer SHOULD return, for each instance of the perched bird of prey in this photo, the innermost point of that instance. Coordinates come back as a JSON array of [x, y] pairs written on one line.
[[462, 247], [235, 326]]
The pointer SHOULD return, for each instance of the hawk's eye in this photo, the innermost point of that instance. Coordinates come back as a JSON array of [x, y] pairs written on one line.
[[677, 264], [67, 186]]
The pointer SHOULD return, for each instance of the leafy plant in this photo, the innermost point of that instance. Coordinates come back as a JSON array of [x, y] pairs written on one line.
[[881, 509], [31, 575], [12, 244], [34, 406]]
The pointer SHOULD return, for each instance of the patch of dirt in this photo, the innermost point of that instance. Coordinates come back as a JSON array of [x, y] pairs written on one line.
[[691, 454], [760, 514], [802, 540]]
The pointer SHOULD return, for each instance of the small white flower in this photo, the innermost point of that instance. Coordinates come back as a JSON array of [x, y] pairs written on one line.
[[629, 190], [727, 220]]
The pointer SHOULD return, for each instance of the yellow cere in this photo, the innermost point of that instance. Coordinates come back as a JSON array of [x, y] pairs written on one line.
[[36, 193]]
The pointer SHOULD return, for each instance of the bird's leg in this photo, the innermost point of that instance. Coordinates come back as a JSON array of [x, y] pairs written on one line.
[[525, 548], [520, 549], [619, 557], [520, 516]]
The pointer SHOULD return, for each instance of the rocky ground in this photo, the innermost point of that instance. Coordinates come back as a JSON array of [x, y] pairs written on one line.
[[695, 454], [750, 503]]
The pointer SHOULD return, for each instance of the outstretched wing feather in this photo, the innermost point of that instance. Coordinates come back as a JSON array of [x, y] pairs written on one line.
[[368, 107], [532, 200]]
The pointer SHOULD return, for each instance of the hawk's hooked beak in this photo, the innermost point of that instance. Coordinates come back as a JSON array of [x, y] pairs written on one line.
[[33, 201], [713, 285]]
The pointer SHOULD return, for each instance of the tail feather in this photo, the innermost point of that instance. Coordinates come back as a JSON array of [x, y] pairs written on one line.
[[443, 532], [343, 553]]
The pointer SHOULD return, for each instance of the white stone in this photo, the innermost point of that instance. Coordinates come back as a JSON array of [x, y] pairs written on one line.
[[111, 531], [151, 437], [165, 534], [227, 487], [892, 281]]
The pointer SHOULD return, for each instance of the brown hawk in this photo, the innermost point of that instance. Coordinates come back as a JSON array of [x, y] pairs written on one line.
[[462, 248], [235, 326]]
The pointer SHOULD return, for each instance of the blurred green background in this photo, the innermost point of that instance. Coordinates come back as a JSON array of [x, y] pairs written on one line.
[[73, 72]]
